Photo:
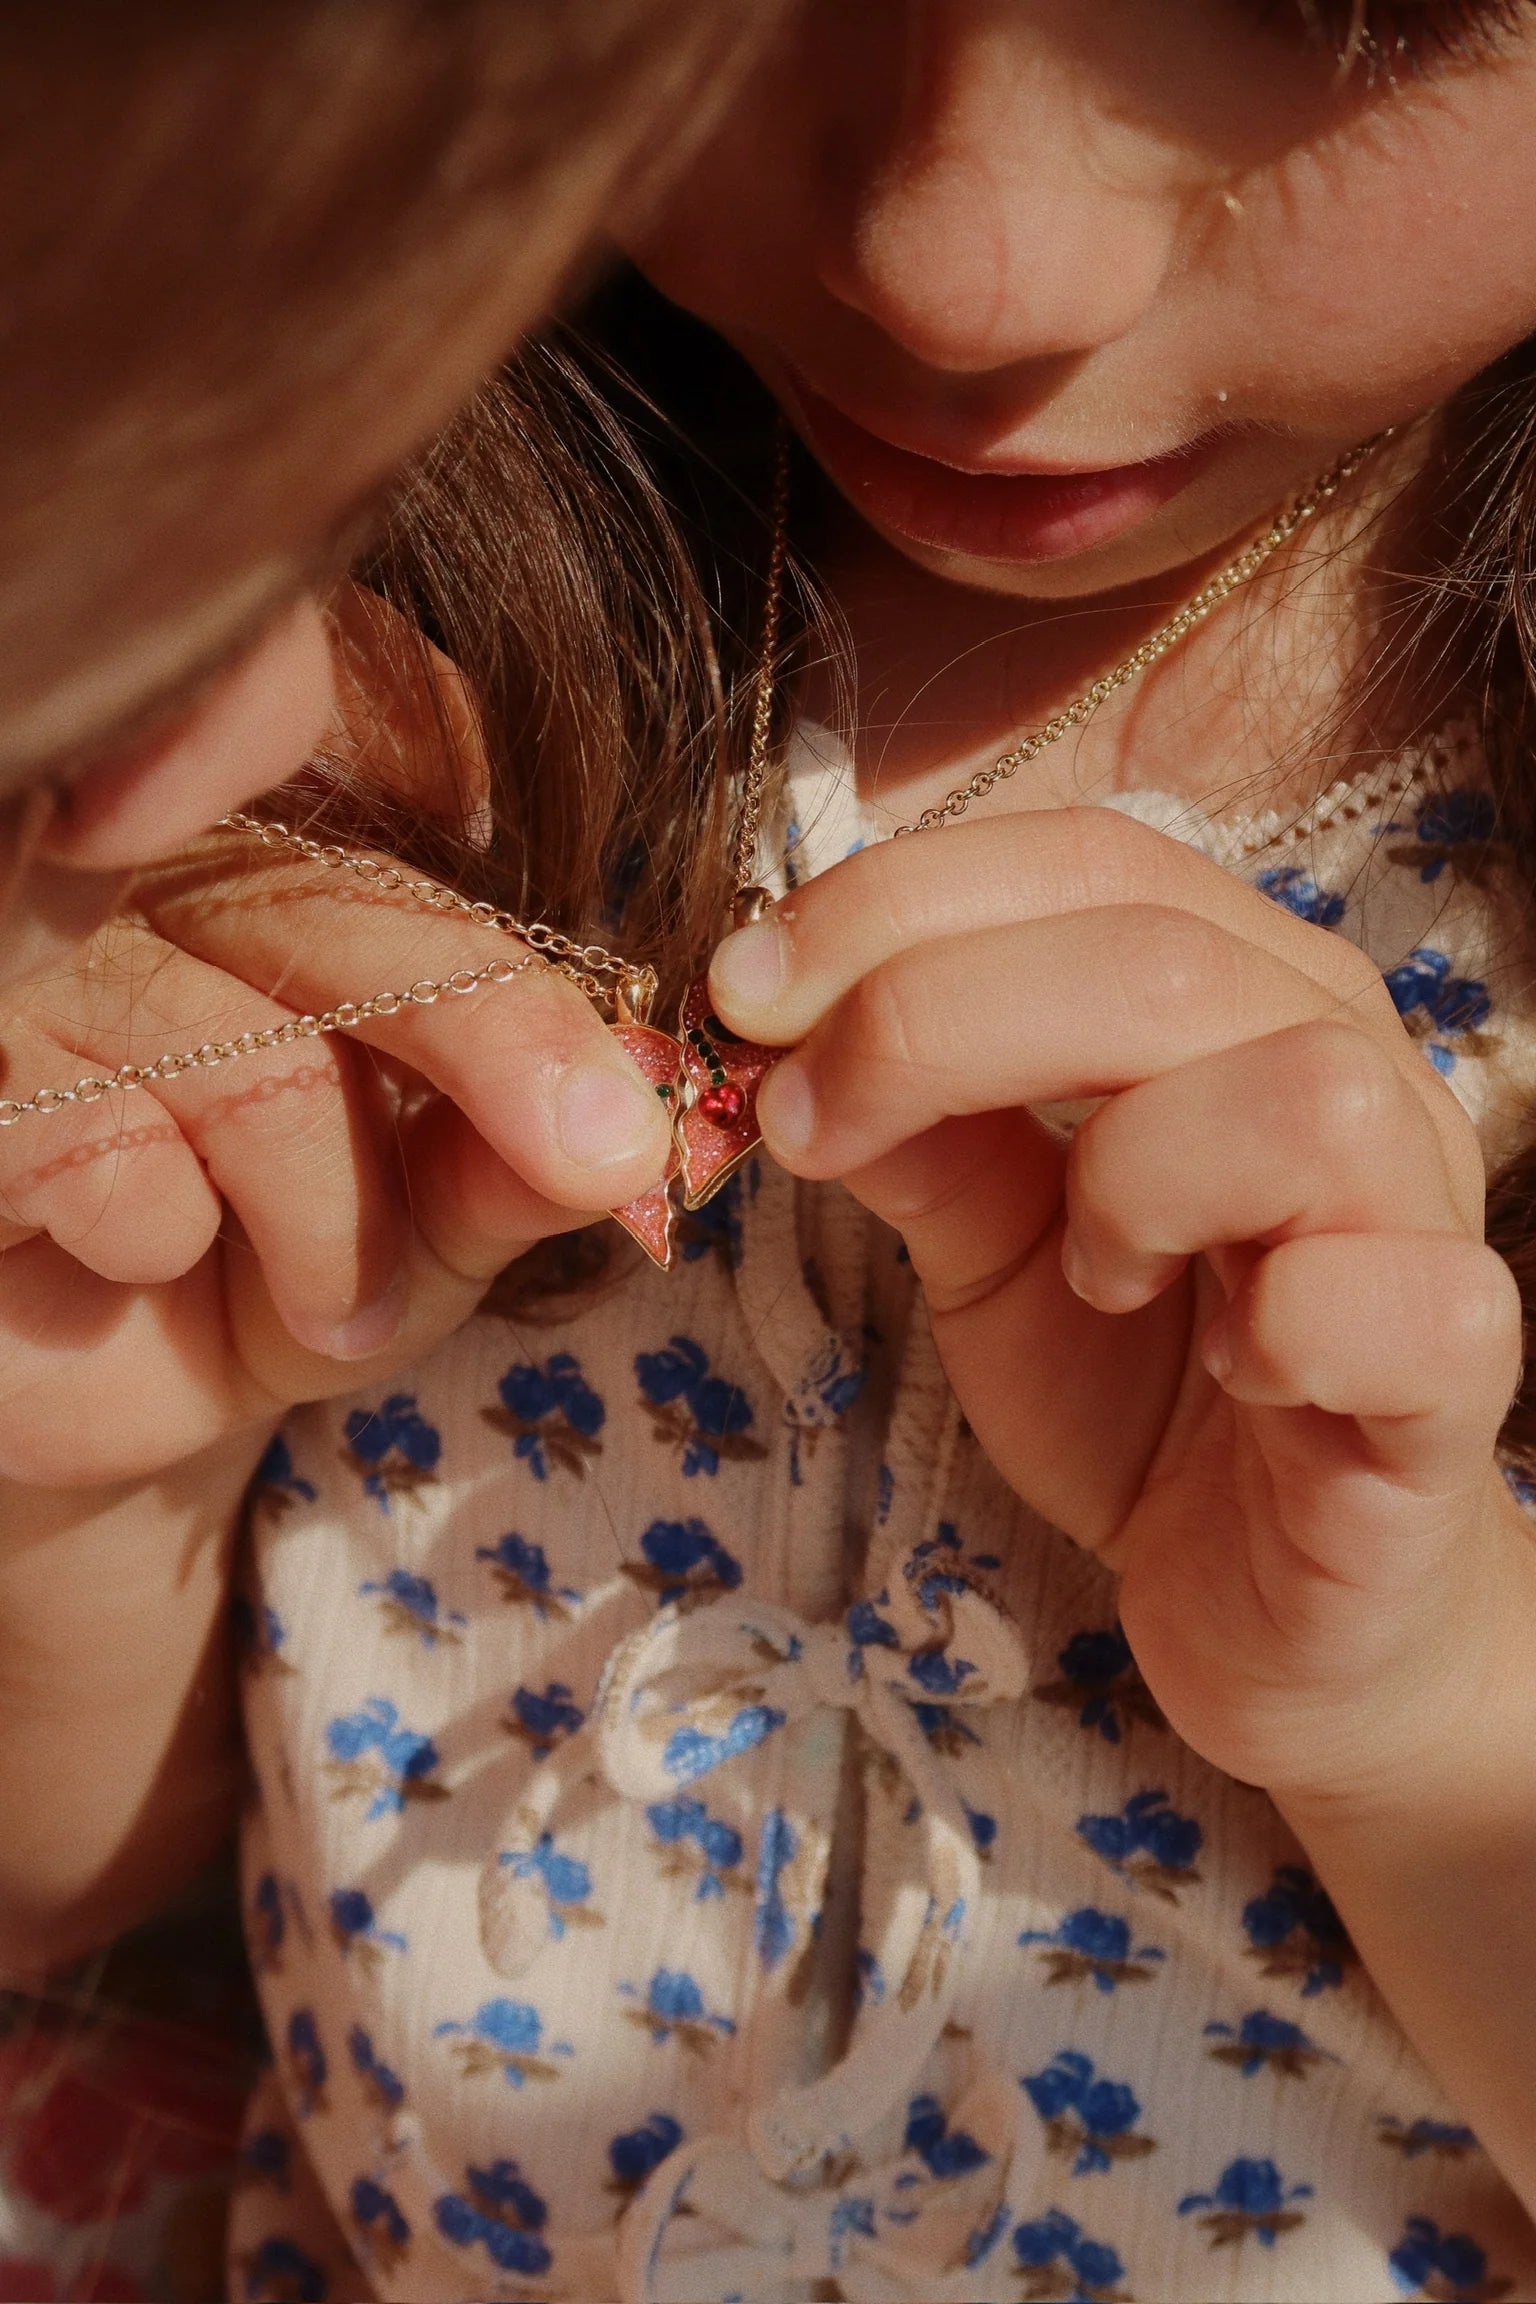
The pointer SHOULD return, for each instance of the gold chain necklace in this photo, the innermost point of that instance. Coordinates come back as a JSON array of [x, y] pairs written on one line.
[[708, 1078]]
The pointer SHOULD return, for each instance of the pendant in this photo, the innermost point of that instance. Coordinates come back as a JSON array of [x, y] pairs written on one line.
[[708, 1079]]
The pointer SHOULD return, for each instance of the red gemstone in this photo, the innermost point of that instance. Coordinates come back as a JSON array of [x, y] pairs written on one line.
[[724, 1105]]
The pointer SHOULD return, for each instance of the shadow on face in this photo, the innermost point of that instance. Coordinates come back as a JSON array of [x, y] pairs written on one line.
[[249, 258]]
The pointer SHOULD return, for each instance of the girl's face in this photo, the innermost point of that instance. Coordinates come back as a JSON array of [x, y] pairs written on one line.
[[1064, 293]]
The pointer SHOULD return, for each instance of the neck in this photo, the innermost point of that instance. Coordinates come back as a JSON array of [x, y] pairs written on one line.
[[1266, 704]]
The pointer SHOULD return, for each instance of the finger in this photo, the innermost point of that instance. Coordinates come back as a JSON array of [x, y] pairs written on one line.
[[100, 1382], [113, 1181], [298, 1138], [1402, 1349], [530, 1062], [472, 1211], [1313, 1129], [1069, 1405], [776, 980], [1080, 1005]]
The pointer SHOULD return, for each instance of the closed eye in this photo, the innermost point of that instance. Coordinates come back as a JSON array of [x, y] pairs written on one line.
[[1390, 36]]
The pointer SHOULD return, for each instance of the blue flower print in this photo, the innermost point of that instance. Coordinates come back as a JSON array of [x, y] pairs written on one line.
[[983, 1831], [382, 2084], [1294, 1931], [1443, 2267], [499, 2211], [267, 1925], [307, 2067], [565, 1880], [1086, 2116], [683, 1563], [944, 2151], [280, 2272], [702, 1416], [260, 1637], [266, 2160], [1102, 1684], [823, 1395], [505, 2036], [634, 2155], [395, 1449], [543, 1721], [1149, 1844], [355, 1928], [673, 2009], [698, 1845], [1093, 1944], [690, 1752], [379, 2223], [1300, 893], [1455, 830], [1250, 2196], [372, 1755], [1444, 1012], [1445, 2139], [944, 1732], [869, 1978], [867, 1628], [551, 1415], [885, 1495], [714, 1229], [409, 1604], [522, 1571], [1261, 2042], [1061, 2265], [1521, 1483], [773, 1923], [275, 1486]]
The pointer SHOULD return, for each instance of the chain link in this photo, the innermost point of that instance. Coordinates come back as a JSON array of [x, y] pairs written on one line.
[[1210, 596], [744, 856], [347, 1016], [607, 977], [591, 967]]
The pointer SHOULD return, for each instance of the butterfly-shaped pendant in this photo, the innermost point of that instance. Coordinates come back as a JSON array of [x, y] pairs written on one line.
[[709, 1081]]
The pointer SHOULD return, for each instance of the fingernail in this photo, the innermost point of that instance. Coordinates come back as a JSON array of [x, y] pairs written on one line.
[[751, 967], [605, 1116], [1216, 1349], [1075, 1268], [369, 1330], [786, 1109]]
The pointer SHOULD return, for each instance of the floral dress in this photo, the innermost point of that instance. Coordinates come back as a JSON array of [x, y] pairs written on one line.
[[712, 1844]]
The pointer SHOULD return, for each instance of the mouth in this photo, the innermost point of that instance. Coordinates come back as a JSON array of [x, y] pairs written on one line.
[[1013, 514]]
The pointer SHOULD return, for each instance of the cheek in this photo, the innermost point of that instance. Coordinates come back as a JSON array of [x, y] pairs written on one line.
[[255, 729], [1384, 273]]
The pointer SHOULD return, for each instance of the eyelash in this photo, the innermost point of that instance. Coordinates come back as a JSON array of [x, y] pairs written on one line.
[[1411, 35]]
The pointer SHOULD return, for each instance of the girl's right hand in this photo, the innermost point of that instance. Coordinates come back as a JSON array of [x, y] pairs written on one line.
[[184, 1264]]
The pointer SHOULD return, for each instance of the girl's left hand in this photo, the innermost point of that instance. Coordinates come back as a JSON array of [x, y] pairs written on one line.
[[1241, 1336]]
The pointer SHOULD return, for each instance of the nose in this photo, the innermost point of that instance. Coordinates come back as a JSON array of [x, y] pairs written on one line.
[[1008, 217]]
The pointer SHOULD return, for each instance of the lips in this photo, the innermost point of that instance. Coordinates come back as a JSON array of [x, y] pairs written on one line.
[[1018, 516]]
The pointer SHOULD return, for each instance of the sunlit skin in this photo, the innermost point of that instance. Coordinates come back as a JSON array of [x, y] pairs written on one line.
[[1011, 243], [1052, 238]]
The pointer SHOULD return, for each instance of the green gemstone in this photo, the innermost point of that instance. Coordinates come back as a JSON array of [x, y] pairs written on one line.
[[716, 1077], [665, 1091]]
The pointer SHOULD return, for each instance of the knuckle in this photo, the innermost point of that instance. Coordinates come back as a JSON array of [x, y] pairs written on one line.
[[1177, 959], [1341, 1087], [882, 1020], [1106, 851]]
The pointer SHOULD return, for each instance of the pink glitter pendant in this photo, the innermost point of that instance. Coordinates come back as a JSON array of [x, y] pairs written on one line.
[[709, 1081]]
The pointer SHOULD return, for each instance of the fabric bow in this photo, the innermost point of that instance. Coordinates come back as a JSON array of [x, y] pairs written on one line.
[[916, 2231], [696, 1688]]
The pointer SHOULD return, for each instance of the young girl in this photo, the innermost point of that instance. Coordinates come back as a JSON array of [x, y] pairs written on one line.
[[975, 1739]]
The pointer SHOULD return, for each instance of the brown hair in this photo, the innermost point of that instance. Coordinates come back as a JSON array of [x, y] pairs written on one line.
[[225, 228], [587, 544]]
